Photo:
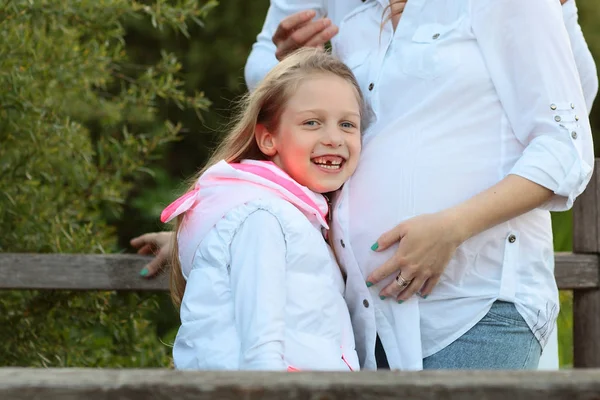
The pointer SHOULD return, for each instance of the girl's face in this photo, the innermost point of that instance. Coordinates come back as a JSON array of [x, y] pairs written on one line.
[[318, 140]]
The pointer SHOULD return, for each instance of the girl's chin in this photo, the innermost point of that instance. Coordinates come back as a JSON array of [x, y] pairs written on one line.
[[325, 187]]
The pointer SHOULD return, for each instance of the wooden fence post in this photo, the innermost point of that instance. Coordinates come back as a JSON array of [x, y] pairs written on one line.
[[586, 302]]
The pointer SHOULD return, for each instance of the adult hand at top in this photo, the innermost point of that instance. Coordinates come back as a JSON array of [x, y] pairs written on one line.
[[299, 30]]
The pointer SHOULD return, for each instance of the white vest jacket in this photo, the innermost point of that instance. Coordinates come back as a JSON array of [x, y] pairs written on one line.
[[264, 291]]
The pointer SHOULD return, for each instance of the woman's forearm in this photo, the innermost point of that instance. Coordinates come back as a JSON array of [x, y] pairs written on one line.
[[509, 198]]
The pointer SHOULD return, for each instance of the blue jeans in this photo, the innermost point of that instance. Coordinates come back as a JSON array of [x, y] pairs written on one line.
[[501, 340]]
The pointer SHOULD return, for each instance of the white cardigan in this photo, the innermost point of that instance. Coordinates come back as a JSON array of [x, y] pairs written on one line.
[[264, 291]]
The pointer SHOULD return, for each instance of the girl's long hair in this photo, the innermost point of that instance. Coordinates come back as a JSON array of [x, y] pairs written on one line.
[[263, 106]]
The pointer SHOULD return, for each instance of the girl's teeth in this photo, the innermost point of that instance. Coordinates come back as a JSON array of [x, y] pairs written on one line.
[[322, 161], [329, 166]]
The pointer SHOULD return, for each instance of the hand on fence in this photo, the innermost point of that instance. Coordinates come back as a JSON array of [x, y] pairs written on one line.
[[157, 243]]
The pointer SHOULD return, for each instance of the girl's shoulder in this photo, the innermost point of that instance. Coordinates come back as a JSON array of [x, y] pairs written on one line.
[[268, 216], [289, 217]]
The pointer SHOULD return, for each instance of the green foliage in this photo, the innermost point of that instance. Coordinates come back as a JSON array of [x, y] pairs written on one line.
[[79, 121], [212, 59]]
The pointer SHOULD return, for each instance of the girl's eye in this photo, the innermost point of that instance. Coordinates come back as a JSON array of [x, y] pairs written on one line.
[[311, 123], [347, 125]]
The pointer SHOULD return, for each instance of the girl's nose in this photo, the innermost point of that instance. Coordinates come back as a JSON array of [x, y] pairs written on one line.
[[333, 137]]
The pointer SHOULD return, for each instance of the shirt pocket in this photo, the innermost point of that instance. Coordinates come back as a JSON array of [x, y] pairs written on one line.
[[429, 53], [358, 63], [358, 38]]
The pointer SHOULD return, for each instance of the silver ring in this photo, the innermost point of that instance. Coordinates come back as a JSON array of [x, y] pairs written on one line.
[[400, 281]]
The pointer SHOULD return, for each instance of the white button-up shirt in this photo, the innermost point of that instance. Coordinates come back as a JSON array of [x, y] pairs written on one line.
[[464, 93]]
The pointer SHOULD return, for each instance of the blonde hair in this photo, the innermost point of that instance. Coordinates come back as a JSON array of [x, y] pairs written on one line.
[[264, 106], [391, 10]]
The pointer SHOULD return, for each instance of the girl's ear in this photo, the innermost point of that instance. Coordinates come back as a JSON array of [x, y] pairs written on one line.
[[265, 140]]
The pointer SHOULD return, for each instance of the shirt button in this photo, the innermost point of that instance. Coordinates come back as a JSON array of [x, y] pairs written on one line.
[[553, 106], [572, 106], [577, 118], [371, 86], [512, 239], [557, 118], [436, 36], [574, 135], [343, 244], [366, 303]]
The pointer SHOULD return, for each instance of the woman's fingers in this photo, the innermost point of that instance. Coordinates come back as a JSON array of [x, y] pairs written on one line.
[[319, 39], [389, 238], [156, 265], [299, 31], [291, 23], [157, 243], [390, 267], [300, 37], [143, 240], [147, 249], [429, 285], [398, 286], [412, 289]]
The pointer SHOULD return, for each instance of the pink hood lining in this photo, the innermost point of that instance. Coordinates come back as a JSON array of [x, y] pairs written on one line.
[[260, 173]]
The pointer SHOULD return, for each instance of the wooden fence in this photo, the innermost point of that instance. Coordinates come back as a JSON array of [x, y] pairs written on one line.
[[578, 271], [131, 384]]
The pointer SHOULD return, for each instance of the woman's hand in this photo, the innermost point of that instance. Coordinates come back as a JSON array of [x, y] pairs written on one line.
[[157, 243], [298, 30], [427, 243]]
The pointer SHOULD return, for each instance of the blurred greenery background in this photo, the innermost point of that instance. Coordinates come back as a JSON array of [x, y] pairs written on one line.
[[106, 107]]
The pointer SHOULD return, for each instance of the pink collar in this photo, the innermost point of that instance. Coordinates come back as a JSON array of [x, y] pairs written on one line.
[[264, 173]]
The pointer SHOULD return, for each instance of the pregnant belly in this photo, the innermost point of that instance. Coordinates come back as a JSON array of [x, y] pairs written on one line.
[[399, 178]]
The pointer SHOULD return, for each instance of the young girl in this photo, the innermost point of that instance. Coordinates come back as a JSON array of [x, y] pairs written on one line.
[[258, 285]]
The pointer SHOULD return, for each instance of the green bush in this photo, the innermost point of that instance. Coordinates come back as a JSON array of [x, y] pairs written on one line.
[[79, 122]]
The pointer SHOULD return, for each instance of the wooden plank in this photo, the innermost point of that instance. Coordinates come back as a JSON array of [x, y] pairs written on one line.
[[77, 272], [586, 303], [121, 272], [586, 217], [577, 271], [101, 384], [586, 328]]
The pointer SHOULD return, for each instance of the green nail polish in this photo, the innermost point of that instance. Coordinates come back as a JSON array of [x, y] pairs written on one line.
[[144, 272], [382, 297], [375, 246], [369, 284], [400, 301], [426, 296]]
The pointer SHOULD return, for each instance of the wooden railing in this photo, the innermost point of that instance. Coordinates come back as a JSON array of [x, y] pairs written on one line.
[[577, 271], [95, 384]]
